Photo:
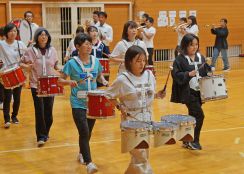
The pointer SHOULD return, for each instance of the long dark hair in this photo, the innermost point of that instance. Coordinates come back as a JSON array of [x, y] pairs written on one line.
[[128, 24], [131, 54], [193, 19], [186, 41]]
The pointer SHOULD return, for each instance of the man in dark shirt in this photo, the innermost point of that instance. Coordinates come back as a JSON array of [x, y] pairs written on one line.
[[221, 44]]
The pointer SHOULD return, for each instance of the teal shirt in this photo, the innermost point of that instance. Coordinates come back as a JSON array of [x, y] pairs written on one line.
[[73, 69]]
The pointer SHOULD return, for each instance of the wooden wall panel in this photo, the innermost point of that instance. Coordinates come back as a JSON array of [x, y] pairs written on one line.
[[18, 11], [3, 18], [208, 12], [117, 16]]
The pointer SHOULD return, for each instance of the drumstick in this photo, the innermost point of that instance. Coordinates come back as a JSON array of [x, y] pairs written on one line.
[[165, 86]]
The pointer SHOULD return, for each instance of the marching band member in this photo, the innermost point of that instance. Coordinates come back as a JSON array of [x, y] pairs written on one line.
[[180, 32], [28, 15], [11, 51], [41, 59], [128, 39], [192, 25], [185, 89], [105, 30], [83, 71], [99, 49], [71, 48], [135, 88]]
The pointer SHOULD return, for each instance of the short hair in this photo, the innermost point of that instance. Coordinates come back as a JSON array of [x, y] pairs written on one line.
[[91, 28], [186, 41], [25, 14], [38, 33], [128, 24], [81, 38], [8, 28], [102, 13], [225, 20], [145, 15], [95, 12], [79, 29], [131, 54], [1, 31], [150, 19], [183, 19], [193, 19]]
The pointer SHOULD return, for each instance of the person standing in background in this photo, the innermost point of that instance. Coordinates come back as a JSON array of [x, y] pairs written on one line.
[[180, 29], [192, 25], [105, 30], [28, 15], [221, 44], [148, 34]]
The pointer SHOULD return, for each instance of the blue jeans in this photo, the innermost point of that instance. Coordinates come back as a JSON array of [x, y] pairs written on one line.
[[224, 57], [84, 126]]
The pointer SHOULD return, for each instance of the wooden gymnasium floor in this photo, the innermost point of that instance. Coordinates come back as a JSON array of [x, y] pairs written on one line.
[[222, 137]]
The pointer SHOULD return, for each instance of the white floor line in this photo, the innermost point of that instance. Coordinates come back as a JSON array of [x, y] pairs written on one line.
[[99, 142]]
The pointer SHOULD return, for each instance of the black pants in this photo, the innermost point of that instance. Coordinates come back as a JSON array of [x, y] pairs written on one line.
[[150, 56], [84, 126], [195, 110], [100, 84], [1, 92], [43, 114], [16, 92]]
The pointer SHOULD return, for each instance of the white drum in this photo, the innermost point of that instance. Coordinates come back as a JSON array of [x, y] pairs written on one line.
[[212, 88], [186, 126], [164, 133], [134, 135]]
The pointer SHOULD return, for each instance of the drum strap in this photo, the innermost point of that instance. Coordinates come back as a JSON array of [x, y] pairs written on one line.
[[87, 70], [95, 48], [19, 50]]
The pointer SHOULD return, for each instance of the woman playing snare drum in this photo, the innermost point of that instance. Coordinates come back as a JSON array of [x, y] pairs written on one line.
[[11, 51], [41, 60], [135, 89], [83, 71], [187, 68]]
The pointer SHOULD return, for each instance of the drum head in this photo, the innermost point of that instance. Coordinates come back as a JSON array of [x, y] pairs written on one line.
[[164, 125], [133, 125], [96, 92], [25, 32], [179, 119]]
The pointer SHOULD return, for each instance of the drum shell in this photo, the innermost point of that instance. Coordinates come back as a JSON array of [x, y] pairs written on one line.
[[164, 133], [48, 86], [13, 77], [186, 125], [98, 106], [105, 64], [212, 88], [132, 137]]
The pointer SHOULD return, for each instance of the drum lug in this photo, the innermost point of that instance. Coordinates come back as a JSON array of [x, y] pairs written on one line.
[[215, 93], [101, 112], [100, 99], [212, 81]]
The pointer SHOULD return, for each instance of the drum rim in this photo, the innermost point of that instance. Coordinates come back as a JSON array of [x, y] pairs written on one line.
[[48, 76], [93, 92], [182, 123], [11, 69], [50, 95], [104, 59], [100, 117]]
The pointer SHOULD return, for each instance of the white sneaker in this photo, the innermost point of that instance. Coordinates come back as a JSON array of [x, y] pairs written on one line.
[[91, 168], [7, 124], [81, 159], [1, 106], [40, 143]]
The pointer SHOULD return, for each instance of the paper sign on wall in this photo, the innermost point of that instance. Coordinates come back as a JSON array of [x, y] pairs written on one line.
[[172, 14], [162, 13], [163, 21], [182, 14], [193, 13]]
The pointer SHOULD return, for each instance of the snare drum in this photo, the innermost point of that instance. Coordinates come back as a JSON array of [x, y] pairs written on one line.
[[134, 135], [105, 64], [151, 68], [212, 88], [164, 133], [48, 86], [13, 77], [186, 126], [98, 106]]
